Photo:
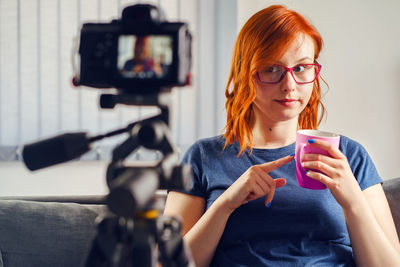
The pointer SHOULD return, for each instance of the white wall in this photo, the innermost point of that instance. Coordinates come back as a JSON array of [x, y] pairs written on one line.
[[361, 64]]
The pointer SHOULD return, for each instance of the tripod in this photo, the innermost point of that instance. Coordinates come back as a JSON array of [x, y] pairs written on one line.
[[131, 235]]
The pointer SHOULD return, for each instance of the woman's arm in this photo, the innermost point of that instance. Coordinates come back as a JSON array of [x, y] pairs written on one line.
[[372, 231], [368, 218], [203, 229]]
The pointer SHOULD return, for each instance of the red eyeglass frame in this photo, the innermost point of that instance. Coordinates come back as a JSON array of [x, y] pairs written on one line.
[[290, 70]]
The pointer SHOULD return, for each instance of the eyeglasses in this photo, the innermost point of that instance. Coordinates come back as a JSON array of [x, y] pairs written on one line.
[[301, 73]]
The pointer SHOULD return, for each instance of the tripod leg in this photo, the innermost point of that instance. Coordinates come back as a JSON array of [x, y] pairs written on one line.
[[111, 246], [144, 245], [173, 250]]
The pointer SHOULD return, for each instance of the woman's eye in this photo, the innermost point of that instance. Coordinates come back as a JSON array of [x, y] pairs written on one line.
[[299, 68], [273, 68]]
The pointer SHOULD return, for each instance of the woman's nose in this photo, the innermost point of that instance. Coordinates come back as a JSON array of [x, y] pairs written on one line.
[[288, 83]]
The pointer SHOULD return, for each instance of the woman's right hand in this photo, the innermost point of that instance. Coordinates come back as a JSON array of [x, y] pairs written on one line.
[[254, 183]]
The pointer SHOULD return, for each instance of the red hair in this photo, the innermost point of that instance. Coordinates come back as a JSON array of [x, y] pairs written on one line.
[[265, 38]]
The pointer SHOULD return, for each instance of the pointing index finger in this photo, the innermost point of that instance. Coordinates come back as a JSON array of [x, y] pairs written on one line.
[[272, 165]]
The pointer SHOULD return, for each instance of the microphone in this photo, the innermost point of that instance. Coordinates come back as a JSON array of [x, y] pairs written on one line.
[[55, 150]]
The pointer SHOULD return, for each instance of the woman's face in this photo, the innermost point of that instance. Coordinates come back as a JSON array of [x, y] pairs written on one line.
[[285, 100]]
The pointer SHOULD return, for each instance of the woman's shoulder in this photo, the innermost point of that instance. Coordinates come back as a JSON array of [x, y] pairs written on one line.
[[214, 140], [360, 162], [355, 153], [208, 144], [204, 150], [350, 146]]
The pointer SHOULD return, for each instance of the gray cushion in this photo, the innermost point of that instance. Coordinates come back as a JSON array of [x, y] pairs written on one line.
[[46, 234], [392, 191]]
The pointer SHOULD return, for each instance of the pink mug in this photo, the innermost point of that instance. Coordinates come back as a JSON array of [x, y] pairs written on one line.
[[302, 147]]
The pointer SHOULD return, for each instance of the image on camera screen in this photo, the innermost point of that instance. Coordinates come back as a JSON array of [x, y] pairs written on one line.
[[144, 57]]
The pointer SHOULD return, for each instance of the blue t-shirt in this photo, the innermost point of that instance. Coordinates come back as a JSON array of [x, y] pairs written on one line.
[[302, 227]]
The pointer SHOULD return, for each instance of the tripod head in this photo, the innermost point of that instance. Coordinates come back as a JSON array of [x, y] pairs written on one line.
[[134, 186]]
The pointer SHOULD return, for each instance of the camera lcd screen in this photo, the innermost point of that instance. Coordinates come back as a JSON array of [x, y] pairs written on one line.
[[144, 57]]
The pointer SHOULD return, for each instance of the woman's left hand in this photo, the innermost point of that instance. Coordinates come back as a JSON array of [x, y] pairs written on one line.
[[335, 173]]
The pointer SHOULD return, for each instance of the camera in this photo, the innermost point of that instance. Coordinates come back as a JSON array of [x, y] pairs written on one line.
[[139, 53]]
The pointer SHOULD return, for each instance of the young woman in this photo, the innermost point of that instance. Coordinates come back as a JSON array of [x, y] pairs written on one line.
[[244, 207]]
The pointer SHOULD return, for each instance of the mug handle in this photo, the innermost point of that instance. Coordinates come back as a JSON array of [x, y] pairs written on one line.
[[301, 154]]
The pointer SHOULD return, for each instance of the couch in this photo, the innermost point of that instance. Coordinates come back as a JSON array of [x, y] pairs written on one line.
[[51, 231]]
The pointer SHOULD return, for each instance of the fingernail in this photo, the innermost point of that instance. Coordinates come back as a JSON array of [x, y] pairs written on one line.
[[307, 171], [311, 141], [291, 155], [269, 204]]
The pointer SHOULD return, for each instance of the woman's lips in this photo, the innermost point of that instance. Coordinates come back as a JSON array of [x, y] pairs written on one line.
[[287, 102]]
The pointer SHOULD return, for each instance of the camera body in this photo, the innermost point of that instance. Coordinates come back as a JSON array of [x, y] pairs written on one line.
[[140, 53]]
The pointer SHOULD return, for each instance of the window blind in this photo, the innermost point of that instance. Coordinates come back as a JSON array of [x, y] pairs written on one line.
[[37, 99]]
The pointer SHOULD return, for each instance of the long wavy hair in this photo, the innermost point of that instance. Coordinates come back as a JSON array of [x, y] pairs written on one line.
[[265, 38]]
